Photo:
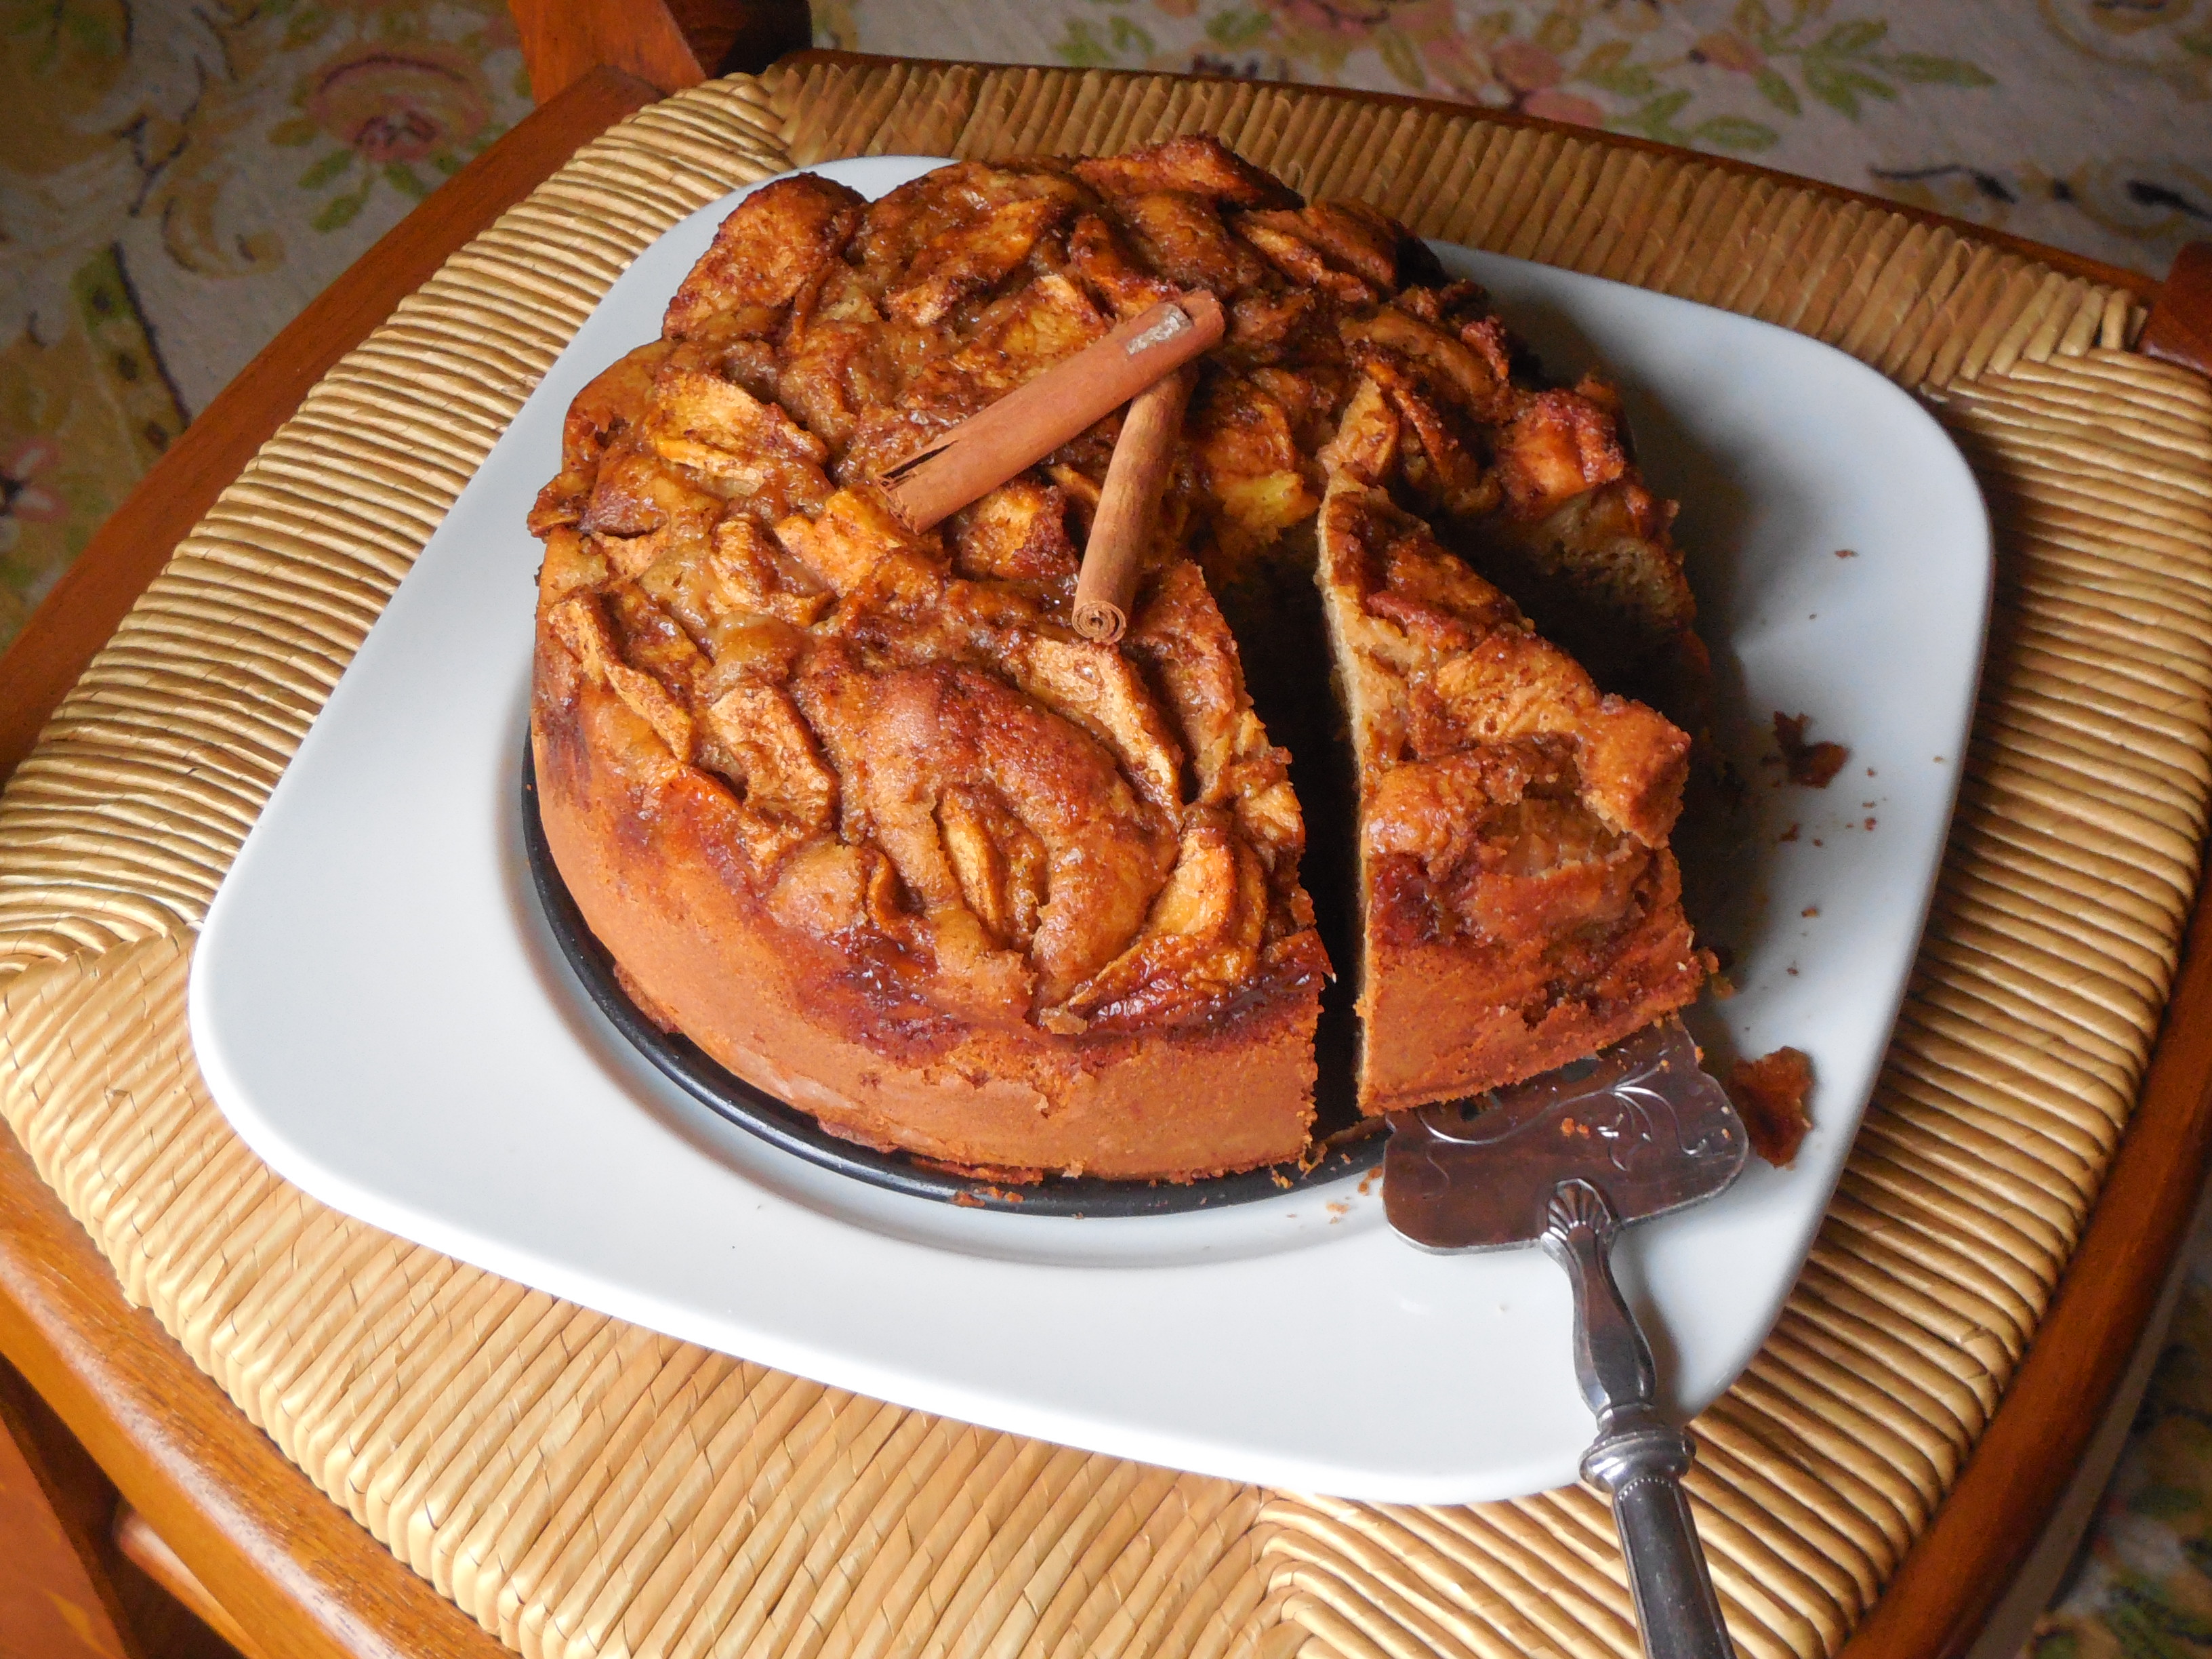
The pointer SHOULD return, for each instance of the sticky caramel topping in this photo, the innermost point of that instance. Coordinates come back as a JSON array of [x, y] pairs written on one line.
[[926, 764], [1505, 796], [921, 752]]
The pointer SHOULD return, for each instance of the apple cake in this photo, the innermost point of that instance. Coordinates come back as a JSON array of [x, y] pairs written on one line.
[[856, 810]]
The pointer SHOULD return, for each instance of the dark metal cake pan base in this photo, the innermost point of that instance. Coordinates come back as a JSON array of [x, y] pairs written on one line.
[[706, 1081]]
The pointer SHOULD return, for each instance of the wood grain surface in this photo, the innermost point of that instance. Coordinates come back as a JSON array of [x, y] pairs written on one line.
[[265, 1544], [672, 43], [79, 612], [150, 1620], [55, 1600], [2181, 326], [135, 1536], [294, 1569]]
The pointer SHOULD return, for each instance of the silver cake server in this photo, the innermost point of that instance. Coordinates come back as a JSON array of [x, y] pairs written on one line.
[[1565, 1160]]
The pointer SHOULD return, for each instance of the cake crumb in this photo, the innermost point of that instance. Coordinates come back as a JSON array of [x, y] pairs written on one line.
[[1815, 765], [1846, 553], [1810, 910], [1869, 823], [1791, 834], [1337, 1211], [1723, 986], [1771, 1092]]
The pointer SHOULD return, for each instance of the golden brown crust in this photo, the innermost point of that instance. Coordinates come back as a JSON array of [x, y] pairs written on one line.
[[1446, 1017], [1520, 907], [875, 775], [649, 860], [1535, 488], [759, 259], [857, 809]]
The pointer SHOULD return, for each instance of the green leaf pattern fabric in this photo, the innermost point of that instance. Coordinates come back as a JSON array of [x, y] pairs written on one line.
[[2084, 123], [178, 177], [2142, 1587]]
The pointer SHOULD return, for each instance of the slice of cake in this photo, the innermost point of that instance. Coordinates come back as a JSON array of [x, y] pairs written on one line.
[[1519, 905], [1533, 486]]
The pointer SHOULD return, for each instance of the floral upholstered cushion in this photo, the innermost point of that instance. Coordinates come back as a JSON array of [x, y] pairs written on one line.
[[176, 181], [178, 177]]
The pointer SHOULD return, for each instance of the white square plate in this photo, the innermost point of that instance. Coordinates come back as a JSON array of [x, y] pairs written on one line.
[[381, 1013]]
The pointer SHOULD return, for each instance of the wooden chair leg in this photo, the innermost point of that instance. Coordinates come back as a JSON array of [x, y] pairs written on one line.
[[302, 1577], [55, 1595], [140, 1544], [2181, 326], [68, 1588], [673, 44]]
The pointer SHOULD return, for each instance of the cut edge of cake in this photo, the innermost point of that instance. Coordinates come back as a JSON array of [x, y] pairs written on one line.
[[1519, 905], [637, 704]]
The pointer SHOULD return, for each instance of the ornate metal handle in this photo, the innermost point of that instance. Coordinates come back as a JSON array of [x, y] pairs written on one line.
[[1638, 1457]]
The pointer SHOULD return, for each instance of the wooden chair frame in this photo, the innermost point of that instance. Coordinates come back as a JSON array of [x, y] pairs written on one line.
[[248, 1531]]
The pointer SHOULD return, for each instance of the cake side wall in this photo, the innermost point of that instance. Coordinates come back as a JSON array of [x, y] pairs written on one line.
[[638, 853]]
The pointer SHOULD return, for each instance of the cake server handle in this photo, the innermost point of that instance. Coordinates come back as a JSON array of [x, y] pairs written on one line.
[[1638, 1457]]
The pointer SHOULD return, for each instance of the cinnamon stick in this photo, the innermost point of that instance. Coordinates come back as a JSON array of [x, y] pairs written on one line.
[[1030, 421], [1128, 507]]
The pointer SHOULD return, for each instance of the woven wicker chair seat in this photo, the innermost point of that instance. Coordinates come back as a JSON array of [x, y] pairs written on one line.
[[584, 1487]]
